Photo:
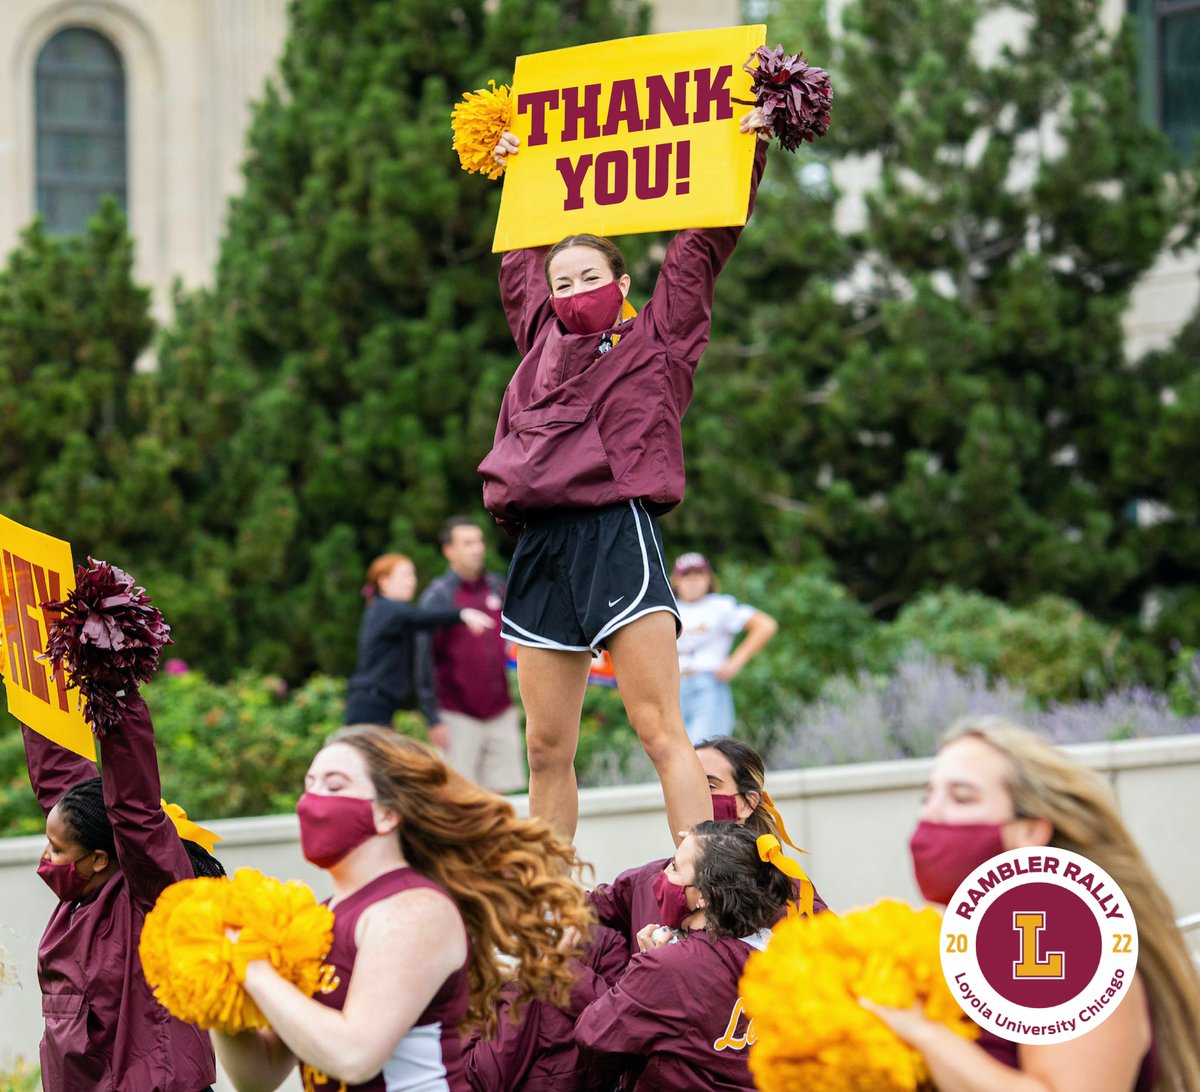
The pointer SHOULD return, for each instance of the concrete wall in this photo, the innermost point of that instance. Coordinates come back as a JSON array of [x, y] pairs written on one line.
[[854, 821]]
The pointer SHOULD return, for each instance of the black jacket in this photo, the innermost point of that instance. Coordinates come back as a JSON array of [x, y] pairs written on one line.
[[385, 648]]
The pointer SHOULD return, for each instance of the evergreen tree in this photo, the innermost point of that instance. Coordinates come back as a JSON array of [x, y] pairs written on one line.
[[72, 327], [959, 417], [330, 397]]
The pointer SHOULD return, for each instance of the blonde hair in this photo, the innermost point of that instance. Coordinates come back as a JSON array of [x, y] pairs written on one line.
[[1046, 784], [509, 877]]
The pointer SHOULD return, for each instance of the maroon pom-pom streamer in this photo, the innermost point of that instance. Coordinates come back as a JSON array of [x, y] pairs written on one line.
[[109, 636], [794, 96]]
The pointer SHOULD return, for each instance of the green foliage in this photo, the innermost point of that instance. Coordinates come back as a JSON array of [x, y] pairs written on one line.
[[253, 725], [959, 410], [20, 1076], [347, 365], [72, 326], [1051, 649], [822, 630]]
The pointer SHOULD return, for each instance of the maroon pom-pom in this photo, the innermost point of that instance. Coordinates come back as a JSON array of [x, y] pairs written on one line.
[[109, 636], [794, 96]]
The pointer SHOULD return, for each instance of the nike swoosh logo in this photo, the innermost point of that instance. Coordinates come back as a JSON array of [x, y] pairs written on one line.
[[614, 602]]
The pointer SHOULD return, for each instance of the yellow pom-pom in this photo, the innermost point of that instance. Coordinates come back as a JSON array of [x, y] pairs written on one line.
[[196, 970], [478, 122], [802, 995]]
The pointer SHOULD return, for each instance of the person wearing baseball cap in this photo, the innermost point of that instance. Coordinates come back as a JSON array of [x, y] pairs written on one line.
[[708, 660]]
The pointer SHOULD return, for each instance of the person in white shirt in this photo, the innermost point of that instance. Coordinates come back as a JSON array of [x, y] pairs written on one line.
[[707, 659]]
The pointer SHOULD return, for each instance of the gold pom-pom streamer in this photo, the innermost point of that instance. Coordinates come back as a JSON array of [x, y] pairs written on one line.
[[196, 970], [478, 122], [811, 1034]]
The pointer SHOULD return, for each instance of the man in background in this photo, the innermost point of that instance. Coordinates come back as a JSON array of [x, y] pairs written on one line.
[[462, 684]]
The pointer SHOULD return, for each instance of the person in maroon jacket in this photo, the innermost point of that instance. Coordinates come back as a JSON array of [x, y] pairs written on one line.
[[674, 1022], [736, 775], [538, 1052], [587, 452], [110, 852]]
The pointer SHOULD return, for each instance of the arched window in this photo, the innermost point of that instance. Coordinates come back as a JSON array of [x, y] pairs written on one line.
[[1170, 66], [80, 96]]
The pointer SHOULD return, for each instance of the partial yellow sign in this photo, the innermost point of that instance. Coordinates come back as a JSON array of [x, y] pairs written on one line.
[[629, 136], [37, 569]]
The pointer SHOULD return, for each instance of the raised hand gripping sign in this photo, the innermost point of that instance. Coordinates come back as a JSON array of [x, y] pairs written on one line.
[[629, 136], [36, 569]]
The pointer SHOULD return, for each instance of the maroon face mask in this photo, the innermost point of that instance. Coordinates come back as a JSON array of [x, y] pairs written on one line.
[[590, 312], [945, 854], [64, 879], [671, 900], [332, 826], [725, 807]]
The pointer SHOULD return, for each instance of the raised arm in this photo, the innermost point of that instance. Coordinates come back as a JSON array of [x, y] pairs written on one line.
[[53, 769], [149, 850], [525, 294], [680, 310]]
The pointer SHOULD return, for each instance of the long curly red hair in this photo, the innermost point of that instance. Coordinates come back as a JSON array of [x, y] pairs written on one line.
[[509, 877]]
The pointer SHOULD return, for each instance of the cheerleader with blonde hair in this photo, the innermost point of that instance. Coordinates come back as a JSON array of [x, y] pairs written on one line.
[[996, 786]]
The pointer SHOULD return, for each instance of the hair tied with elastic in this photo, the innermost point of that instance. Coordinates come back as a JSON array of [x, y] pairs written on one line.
[[368, 591], [771, 852], [188, 830]]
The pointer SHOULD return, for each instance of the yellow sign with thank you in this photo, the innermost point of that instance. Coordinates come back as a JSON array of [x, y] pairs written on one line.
[[635, 135]]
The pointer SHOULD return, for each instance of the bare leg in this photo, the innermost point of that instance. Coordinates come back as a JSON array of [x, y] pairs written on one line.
[[552, 687], [646, 664]]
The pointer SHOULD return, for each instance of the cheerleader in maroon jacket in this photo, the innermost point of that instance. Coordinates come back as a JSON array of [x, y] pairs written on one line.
[[537, 1052], [736, 775], [674, 1021]]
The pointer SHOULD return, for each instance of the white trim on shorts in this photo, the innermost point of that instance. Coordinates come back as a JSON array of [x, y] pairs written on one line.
[[509, 629], [523, 636], [620, 620]]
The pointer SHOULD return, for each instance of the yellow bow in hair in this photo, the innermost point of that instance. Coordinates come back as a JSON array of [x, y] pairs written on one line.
[[770, 851], [768, 805], [189, 831]]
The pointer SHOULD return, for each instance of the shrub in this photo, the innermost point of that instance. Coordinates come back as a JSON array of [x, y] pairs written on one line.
[[1050, 648], [902, 714]]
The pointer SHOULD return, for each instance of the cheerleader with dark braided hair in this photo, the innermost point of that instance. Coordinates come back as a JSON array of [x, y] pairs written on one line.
[[111, 849]]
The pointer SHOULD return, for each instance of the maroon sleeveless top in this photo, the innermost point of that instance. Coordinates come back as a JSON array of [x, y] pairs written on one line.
[[430, 1056]]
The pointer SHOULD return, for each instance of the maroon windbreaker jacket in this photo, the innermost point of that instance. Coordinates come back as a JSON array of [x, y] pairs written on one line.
[[578, 430], [627, 904], [539, 1053], [104, 1030], [677, 1008]]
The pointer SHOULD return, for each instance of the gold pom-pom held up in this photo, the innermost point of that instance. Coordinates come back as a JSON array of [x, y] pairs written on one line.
[[195, 968], [478, 122]]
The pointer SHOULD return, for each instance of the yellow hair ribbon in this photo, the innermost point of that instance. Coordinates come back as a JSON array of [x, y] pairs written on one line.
[[189, 831], [771, 852], [768, 805]]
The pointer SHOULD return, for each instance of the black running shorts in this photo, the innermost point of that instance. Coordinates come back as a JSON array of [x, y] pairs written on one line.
[[581, 574]]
